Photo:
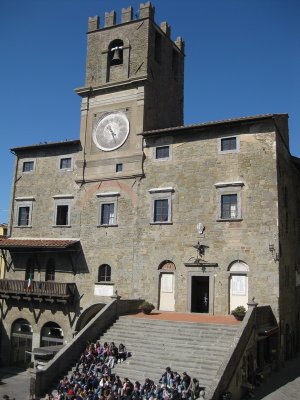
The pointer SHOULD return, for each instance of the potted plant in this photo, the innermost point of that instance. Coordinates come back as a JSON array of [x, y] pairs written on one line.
[[239, 312], [146, 307]]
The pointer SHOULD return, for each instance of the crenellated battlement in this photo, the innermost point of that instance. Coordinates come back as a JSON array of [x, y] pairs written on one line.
[[146, 10]]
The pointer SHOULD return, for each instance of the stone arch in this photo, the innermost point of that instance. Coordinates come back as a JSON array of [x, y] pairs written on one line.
[[238, 266], [167, 266], [238, 284], [21, 341], [51, 334], [87, 315]]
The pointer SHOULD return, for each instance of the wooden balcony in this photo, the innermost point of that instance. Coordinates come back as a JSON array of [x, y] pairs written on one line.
[[39, 291]]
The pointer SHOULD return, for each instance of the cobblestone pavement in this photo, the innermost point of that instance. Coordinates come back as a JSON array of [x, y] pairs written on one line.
[[15, 383]]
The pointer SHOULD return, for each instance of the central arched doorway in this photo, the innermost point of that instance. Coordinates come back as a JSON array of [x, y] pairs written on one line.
[[21, 341], [166, 299]]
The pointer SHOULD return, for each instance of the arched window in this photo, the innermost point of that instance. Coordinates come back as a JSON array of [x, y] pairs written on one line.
[[104, 273], [167, 266], [50, 271], [51, 335], [115, 52], [29, 273], [21, 341]]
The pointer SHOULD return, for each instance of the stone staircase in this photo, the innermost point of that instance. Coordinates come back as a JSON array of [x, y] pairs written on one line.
[[196, 348]]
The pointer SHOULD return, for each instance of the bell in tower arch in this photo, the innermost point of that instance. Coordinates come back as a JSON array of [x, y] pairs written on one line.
[[116, 52]]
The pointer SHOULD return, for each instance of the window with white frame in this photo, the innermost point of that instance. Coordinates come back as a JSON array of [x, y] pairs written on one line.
[[62, 210], [161, 205], [28, 166], [229, 200], [65, 163], [230, 144], [23, 211], [108, 202]]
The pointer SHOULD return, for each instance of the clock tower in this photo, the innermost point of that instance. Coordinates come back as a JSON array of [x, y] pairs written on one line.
[[134, 83]]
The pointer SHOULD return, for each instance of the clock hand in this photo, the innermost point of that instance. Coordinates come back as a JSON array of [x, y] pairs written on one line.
[[112, 133]]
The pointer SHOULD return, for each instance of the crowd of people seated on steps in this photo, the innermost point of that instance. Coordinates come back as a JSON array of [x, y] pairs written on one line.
[[93, 379]]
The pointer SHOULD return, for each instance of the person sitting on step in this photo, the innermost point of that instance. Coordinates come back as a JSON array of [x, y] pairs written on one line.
[[122, 352]]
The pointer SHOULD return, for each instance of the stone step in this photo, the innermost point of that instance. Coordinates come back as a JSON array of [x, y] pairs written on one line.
[[172, 333], [175, 324], [198, 349], [198, 331], [174, 364], [161, 359], [134, 373], [166, 343]]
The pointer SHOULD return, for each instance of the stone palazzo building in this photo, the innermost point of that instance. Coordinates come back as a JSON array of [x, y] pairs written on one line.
[[200, 218]]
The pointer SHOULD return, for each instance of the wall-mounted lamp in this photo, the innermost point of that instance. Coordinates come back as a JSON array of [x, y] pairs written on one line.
[[273, 252]]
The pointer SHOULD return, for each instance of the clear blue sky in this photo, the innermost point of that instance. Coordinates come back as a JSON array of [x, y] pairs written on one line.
[[242, 58]]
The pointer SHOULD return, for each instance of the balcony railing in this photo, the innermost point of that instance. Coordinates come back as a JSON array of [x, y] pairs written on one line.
[[38, 291]]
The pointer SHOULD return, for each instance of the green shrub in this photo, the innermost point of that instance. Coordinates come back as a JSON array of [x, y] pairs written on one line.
[[239, 312], [146, 307]]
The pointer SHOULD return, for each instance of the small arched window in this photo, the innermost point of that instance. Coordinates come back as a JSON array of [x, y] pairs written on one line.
[[104, 273], [115, 52]]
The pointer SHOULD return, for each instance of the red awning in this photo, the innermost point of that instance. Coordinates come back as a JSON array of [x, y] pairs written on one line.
[[11, 243]]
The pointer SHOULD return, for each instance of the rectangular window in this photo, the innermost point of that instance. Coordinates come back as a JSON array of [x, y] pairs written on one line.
[[65, 163], [162, 152], [228, 144], [161, 210], [229, 206], [24, 216], [28, 166], [62, 214], [108, 214], [119, 167]]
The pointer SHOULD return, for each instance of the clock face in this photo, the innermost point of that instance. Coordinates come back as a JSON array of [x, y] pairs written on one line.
[[111, 131]]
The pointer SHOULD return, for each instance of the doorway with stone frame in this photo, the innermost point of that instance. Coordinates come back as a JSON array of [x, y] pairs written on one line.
[[200, 294], [201, 287]]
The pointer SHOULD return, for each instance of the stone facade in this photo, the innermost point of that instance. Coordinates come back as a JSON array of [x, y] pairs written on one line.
[[172, 178]]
